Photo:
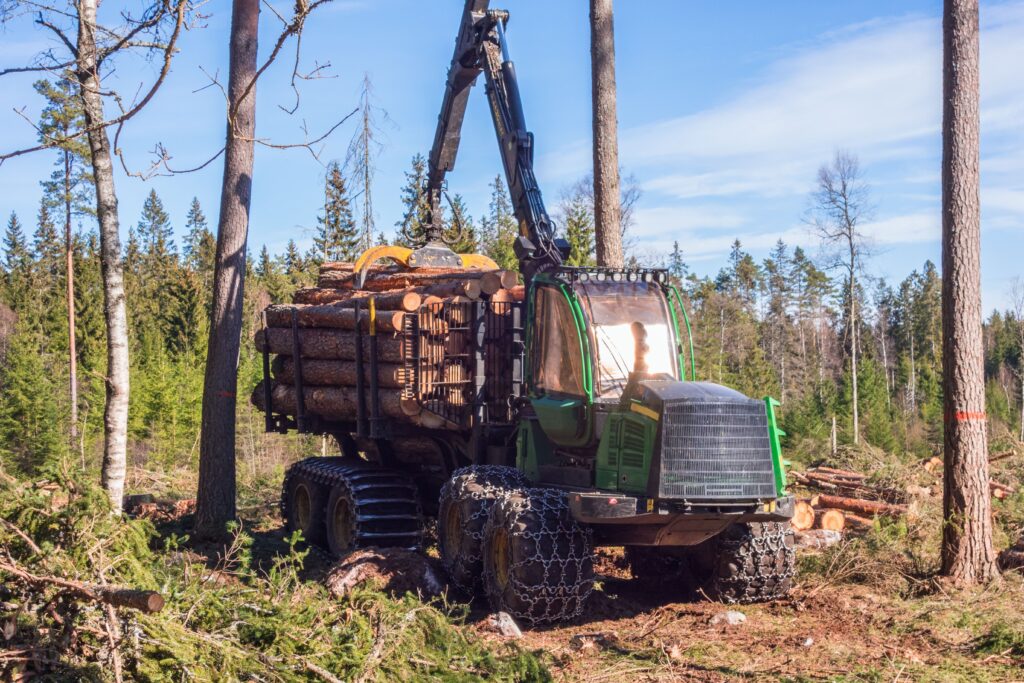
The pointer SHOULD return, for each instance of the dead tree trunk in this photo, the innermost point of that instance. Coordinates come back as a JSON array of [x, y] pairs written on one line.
[[607, 201], [967, 553], [115, 416], [215, 501]]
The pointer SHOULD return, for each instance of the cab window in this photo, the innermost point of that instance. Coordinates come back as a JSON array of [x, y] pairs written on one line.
[[557, 362]]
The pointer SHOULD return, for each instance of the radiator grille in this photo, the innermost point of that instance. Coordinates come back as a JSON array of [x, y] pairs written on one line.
[[716, 450]]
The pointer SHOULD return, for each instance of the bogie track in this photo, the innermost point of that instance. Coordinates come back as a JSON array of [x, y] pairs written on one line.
[[366, 505]]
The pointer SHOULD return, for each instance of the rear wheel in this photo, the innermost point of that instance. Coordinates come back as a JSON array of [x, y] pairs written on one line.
[[537, 559], [303, 507], [752, 562], [466, 500]]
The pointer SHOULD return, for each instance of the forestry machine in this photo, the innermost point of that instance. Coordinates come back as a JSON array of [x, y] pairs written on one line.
[[576, 425]]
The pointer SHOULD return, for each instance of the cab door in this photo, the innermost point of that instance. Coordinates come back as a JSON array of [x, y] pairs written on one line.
[[559, 389]]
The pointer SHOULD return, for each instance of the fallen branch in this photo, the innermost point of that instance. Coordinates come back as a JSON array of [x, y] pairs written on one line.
[[131, 598]]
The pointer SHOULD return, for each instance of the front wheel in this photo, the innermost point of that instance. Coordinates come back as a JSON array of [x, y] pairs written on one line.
[[465, 503], [537, 559], [752, 562]]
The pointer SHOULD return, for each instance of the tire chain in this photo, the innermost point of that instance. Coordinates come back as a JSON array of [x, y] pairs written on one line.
[[756, 550], [483, 483], [553, 599], [340, 471]]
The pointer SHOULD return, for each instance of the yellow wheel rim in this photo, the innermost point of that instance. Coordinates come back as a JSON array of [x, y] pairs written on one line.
[[303, 507], [453, 533], [500, 557], [341, 527]]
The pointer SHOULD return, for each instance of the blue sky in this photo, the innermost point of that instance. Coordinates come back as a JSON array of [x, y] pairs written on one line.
[[725, 113]]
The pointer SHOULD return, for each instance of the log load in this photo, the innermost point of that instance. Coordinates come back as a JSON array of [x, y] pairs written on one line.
[[430, 369]]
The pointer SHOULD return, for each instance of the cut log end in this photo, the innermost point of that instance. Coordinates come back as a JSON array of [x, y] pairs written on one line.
[[803, 516], [832, 520]]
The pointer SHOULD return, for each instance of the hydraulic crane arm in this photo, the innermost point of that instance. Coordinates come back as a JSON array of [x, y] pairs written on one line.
[[481, 47]]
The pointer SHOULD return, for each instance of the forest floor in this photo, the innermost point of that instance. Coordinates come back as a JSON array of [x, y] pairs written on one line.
[[856, 614], [867, 609]]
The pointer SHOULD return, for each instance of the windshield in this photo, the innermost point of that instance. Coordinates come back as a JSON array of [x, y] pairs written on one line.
[[612, 308]]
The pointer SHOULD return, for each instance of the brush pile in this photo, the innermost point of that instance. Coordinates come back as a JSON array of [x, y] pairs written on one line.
[[399, 343]]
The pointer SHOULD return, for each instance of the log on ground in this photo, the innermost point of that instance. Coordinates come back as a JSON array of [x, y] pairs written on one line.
[[868, 508], [803, 516], [832, 520]]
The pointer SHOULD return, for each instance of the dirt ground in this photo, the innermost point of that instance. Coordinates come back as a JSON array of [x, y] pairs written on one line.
[[637, 632], [632, 631]]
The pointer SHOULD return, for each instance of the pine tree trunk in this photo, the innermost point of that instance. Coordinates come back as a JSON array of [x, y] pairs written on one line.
[[215, 501], [115, 416], [607, 201], [853, 349], [70, 280], [967, 553]]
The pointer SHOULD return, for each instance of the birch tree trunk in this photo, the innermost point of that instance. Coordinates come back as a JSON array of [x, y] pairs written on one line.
[[967, 553], [115, 416], [607, 200], [215, 502]]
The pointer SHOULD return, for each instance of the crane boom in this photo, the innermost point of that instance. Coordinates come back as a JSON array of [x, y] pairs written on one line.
[[481, 47]]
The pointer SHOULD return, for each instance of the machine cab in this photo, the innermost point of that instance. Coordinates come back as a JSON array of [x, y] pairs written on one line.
[[582, 345]]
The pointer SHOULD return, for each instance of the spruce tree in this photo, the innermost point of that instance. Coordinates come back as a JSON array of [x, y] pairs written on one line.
[[579, 232], [200, 245], [461, 229], [156, 236], [499, 229], [677, 268], [17, 263], [337, 237], [417, 205]]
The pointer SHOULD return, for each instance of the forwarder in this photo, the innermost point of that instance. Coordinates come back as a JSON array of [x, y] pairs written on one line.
[[577, 427]]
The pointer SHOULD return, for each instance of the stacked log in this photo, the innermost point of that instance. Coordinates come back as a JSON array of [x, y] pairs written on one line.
[[327, 324], [844, 500]]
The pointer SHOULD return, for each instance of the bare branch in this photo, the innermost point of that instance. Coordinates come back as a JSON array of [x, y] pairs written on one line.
[[119, 121], [60, 34]]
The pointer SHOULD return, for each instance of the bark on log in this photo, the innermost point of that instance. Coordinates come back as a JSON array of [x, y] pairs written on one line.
[[402, 300], [421, 277], [328, 344], [803, 516], [861, 523], [860, 507], [498, 279], [331, 373], [332, 316], [832, 520], [331, 403]]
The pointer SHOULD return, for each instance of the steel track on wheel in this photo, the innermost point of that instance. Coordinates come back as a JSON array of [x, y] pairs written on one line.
[[385, 504]]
